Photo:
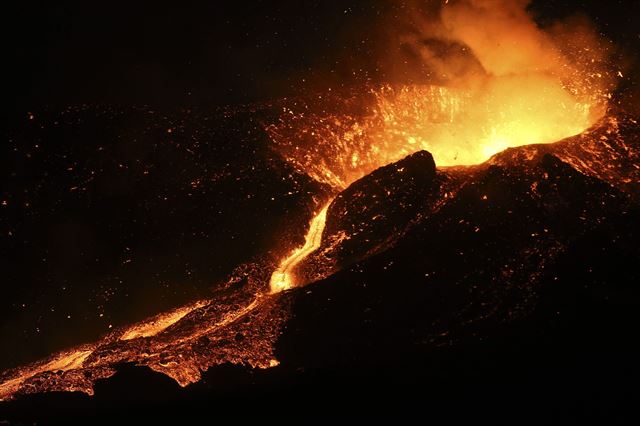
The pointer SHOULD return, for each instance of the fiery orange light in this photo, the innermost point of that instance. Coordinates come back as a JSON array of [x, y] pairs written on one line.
[[511, 84], [502, 81], [458, 126], [283, 278]]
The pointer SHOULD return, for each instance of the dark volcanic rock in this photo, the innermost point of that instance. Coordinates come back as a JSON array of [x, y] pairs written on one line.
[[468, 270], [110, 215], [609, 151], [375, 211], [489, 286], [378, 207]]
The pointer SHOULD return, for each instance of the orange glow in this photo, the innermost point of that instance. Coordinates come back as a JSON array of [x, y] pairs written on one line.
[[283, 278], [465, 127], [457, 126], [161, 322], [62, 362], [500, 82], [493, 80]]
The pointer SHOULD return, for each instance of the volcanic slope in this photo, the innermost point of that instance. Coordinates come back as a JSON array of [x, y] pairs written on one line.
[[531, 254]]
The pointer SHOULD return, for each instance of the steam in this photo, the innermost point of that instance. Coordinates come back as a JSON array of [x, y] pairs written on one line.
[[523, 84], [502, 36], [464, 43], [477, 77]]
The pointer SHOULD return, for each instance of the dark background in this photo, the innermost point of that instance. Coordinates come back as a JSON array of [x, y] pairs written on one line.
[[117, 64], [104, 82], [217, 52]]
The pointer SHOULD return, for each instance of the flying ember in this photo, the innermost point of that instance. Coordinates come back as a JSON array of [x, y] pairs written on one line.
[[496, 81]]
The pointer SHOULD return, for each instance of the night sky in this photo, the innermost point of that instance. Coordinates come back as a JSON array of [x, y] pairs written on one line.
[[216, 53], [111, 67], [137, 175]]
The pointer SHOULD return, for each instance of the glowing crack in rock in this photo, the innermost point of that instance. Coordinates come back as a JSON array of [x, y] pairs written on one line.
[[520, 96], [65, 361], [283, 278], [160, 322], [186, 341]]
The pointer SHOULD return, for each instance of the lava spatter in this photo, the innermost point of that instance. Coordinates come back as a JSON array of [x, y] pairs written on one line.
[[242, 323], [520, 97]]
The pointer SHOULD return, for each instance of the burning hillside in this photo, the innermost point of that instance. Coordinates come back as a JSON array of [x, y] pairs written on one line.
[[428, 216], [376, 214]]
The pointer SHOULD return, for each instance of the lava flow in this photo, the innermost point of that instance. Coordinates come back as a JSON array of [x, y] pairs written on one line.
[[523, 91], [283, 278]]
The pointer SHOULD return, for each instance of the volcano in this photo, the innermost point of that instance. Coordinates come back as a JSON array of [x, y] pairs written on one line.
[[414, 262], [460, 248]]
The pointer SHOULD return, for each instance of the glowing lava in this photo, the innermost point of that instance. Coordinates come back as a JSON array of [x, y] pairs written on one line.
[[283, 278], [493, 79], [62, 362], [502, 82], [457, 126], [160, 322]]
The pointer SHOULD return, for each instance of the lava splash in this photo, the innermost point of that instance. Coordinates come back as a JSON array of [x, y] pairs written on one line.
[[520, 97], [241, 323]]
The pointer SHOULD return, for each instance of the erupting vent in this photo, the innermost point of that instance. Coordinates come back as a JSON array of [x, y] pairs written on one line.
[[459, 127], [502, 82]]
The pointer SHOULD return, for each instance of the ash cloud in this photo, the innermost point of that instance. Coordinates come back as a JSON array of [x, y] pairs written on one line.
[[465, 42]]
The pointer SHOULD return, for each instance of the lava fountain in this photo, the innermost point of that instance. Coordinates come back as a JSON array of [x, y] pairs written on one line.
[[494, 80], [502, 82]]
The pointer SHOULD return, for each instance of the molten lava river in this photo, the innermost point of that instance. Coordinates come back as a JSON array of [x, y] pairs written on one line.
[[459, 128], [337, 139]]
